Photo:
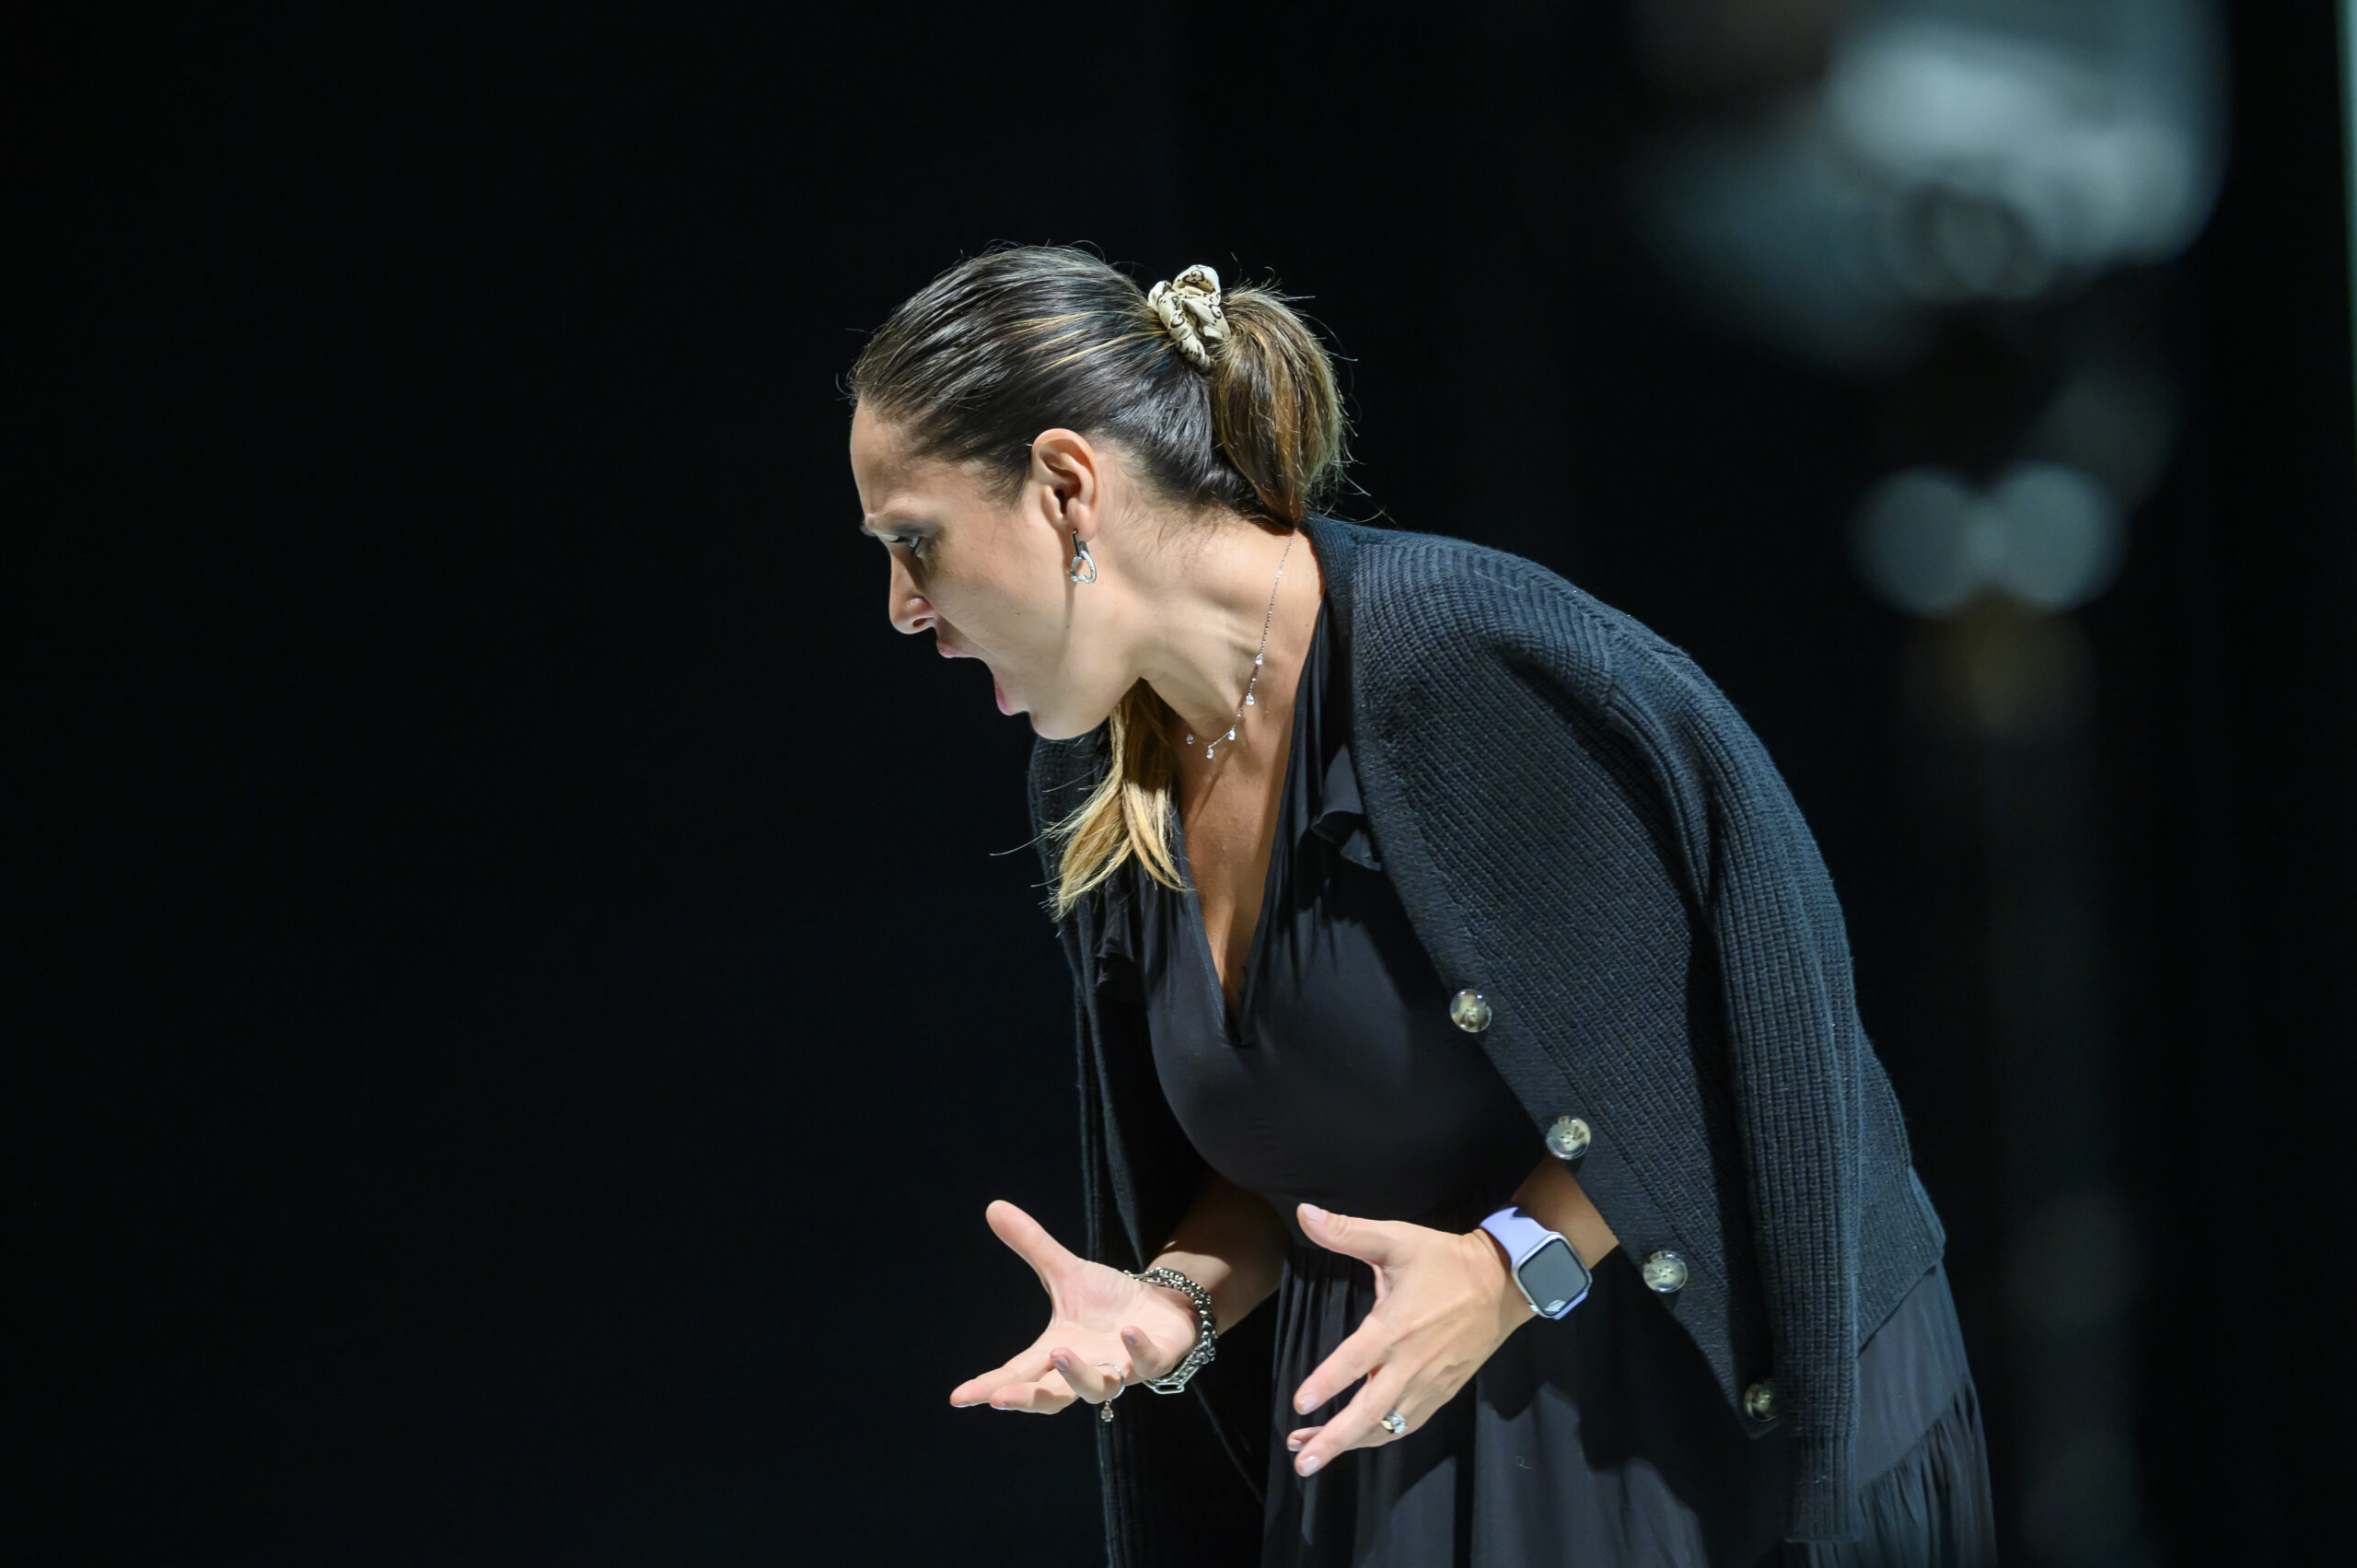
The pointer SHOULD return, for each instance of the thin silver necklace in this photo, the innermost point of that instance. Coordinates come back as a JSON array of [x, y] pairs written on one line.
[[1212, 748]]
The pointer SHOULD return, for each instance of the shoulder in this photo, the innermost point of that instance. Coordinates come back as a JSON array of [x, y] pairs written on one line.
[[1455, 645], [1425, 608]]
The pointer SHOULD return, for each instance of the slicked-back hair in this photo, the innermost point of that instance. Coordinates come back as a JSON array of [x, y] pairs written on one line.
[[1024, 338]]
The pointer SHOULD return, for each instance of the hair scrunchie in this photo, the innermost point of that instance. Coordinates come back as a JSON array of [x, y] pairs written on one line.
[[1188, 306]]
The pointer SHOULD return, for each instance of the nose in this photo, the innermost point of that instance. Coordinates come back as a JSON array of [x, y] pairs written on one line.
[[910, 611]]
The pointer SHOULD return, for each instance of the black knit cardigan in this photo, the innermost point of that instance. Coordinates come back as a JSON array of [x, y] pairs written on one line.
[[1581, 829]]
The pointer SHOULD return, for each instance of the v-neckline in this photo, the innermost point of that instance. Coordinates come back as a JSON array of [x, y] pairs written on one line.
[[1232, 1014]]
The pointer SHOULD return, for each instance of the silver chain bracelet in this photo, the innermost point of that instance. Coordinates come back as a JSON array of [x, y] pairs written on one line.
[[1206, 1343]]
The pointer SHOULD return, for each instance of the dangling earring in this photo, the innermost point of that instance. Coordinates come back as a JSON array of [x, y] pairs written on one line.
[[1084, 565]]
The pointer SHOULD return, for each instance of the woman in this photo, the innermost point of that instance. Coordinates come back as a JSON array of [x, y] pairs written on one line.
[[1432, 925]]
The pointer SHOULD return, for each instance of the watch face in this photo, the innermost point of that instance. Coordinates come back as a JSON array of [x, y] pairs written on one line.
[[1554, 1276]]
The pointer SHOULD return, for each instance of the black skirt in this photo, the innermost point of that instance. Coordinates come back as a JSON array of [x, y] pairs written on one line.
[[1600, 1439], [1604, 1439]]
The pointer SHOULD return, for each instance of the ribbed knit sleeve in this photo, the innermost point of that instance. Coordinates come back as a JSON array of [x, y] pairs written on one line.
[[1794, 1045], [1589, 733]]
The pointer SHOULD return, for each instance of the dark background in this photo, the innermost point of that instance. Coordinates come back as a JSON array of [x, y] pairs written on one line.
[[523, 985]]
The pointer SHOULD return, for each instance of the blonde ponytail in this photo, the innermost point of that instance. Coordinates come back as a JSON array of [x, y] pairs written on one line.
[[1135, 809]]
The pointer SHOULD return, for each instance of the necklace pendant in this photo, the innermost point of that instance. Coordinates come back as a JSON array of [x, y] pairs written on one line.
[[1208, 751]]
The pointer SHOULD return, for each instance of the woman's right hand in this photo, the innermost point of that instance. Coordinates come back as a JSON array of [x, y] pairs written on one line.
[[1094, 1315]]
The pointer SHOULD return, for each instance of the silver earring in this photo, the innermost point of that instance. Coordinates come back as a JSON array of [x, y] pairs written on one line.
[[1084, 565]]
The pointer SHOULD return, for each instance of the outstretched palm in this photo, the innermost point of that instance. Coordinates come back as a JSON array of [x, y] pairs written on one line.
[[1104, 1327]]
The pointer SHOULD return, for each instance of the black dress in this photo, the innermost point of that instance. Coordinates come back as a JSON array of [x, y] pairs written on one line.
[[1602, 1438]]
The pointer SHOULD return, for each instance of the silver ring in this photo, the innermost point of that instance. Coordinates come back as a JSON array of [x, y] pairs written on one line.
[[1394, 1423], [1121, 1382]]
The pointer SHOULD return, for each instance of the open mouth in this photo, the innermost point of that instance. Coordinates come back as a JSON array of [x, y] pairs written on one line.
[[951, 650]]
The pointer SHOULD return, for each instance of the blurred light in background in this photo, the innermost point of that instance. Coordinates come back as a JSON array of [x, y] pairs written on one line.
[[2009, 163], [1852, 183], [2045, 535], [1951, 151], [1999, 675]]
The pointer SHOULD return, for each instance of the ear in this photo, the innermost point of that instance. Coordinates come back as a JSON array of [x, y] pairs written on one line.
[[1067, 483]]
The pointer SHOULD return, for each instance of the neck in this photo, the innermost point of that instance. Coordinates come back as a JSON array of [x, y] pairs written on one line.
[[1206, 609]]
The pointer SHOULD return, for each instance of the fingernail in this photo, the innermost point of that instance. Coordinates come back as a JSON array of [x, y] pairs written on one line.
[[1293, 1445], [1309, 1465], [1313, 1211]]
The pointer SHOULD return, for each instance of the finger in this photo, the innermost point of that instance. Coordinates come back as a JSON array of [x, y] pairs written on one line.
[[1360, 1424], [1356, 1356], [1044, 1395], [1299, 1438], [1370, 1241], [1029, 1238], [1029, 1367], [1092, 1382], [1146, 1360]]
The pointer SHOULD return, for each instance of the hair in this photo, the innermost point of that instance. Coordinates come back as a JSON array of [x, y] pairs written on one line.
[[1024, 338]]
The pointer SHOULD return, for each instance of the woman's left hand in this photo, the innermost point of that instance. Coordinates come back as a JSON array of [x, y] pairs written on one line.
[[1444, 1303]]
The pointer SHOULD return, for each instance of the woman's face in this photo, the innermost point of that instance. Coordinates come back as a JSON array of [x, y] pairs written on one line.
[[989, 579]]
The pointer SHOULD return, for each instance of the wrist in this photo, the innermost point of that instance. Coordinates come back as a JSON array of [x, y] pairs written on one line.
[[1202, 1334], [1230, 1288], [1168, 1298], [1509, 1306], [1546, 1268]]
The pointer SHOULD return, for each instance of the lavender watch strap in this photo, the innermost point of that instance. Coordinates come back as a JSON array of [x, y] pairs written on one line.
[[1523, 1236]]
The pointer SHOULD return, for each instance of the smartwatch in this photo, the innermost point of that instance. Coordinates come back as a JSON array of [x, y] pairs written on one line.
[[1544, 1265]]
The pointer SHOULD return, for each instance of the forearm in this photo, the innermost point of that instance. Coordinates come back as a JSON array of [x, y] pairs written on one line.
[[1551, 1195], [1231, 1244]]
